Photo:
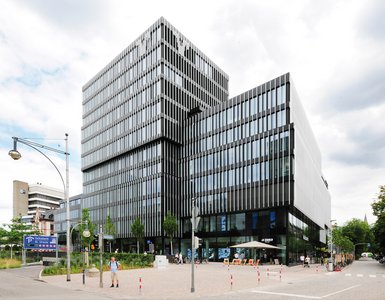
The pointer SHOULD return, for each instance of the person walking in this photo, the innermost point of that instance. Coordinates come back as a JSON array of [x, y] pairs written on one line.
[[180, 258], [114, 266], [307, 261]]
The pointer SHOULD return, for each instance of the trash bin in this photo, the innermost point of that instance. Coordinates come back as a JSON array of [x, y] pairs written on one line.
[[330, 265]]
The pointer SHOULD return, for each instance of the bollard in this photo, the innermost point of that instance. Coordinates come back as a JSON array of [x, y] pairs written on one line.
[[280, 274], [259, 277], [140, 284], [267, 273], [231, 281], [84, 276], [317, 269]]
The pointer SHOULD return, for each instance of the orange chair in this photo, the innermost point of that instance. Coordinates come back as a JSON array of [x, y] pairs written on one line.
[[251, 262]]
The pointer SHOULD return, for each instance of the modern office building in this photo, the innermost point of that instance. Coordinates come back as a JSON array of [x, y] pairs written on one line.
[[60, 217], [254, 168], [133, 112], [159, 129]]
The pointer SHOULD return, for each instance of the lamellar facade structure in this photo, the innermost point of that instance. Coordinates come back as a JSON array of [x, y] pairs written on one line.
[[133, 111], [159, 130]]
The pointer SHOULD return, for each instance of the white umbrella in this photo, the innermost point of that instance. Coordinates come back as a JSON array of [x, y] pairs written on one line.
[[256, 245]]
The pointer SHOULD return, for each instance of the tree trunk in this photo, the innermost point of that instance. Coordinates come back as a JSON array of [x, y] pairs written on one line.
[[171, 248], [137, 246]]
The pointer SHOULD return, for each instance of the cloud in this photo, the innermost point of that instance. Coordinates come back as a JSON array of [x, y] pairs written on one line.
[[372, 22], [335, 51]]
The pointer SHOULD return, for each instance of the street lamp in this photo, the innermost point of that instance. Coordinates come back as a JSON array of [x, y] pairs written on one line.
[[16, 156]]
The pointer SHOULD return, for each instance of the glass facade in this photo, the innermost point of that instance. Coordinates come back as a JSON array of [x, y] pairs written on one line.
[[159, 130], [133, 112]]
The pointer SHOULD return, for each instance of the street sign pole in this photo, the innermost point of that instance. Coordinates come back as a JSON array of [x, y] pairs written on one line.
[[193, 216], [101, 256]]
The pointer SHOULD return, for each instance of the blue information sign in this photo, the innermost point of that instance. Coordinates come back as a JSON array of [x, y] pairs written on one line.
[[40, 242]]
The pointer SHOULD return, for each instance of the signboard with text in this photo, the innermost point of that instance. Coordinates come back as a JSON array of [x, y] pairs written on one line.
[[40, 242]]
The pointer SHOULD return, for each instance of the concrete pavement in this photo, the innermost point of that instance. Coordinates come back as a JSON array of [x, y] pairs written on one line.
[[174, 281]]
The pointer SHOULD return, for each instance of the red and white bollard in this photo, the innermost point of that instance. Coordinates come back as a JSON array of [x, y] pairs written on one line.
[[267, 273], [231, 281], [259, 277], [140, 284]]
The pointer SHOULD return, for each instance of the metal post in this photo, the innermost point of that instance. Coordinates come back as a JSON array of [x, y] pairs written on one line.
[[101, 256], [192, 244], [57, 248], [24, 256], [66, 192]]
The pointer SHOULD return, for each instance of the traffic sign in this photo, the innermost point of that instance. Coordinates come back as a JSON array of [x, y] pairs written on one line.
[[40, 242], [194, 218]]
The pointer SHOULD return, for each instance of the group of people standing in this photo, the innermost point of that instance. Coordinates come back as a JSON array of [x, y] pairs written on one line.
[[179, 258]]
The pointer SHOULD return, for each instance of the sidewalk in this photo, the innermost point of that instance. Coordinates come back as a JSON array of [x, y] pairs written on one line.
[[174, 281]]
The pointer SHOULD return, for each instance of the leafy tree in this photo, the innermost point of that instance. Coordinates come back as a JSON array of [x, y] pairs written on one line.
[[109, 228], [86, 223], [3, 236], [137, 229], [170, 226], [360, 233], [15, 231], [379, 211], [341, 241]]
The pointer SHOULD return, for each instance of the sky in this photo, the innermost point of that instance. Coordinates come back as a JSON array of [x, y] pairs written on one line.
[[334, 50]]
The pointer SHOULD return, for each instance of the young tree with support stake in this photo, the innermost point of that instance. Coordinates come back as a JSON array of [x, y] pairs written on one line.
[[137, 229], [170, 227], [109, 229], [86, 223]]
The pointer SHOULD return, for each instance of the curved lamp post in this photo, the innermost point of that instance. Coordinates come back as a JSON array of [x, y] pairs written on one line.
[[16, 156]]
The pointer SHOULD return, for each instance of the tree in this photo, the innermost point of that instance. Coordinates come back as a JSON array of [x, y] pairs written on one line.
[[170, 227], [109, 228], [86, 223], [341, 241], [360, 233], [137, 229], [379, 211], [15, 231]]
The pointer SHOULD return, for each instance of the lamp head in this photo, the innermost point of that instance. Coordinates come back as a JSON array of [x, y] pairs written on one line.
[[14, 154]]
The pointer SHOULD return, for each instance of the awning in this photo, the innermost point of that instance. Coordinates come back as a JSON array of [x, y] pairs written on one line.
[[255, 244]]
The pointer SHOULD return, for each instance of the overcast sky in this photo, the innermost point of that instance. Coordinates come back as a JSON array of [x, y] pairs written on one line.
[[335, 51]]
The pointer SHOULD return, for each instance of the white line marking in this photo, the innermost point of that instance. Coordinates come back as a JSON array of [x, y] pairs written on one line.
[[372, 276], [383, 276], [306, 296], [348, 274], [349, 288], [287, 294], [360, 275]]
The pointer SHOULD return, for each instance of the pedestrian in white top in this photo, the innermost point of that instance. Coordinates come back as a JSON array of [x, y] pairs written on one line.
[[114, 266]]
